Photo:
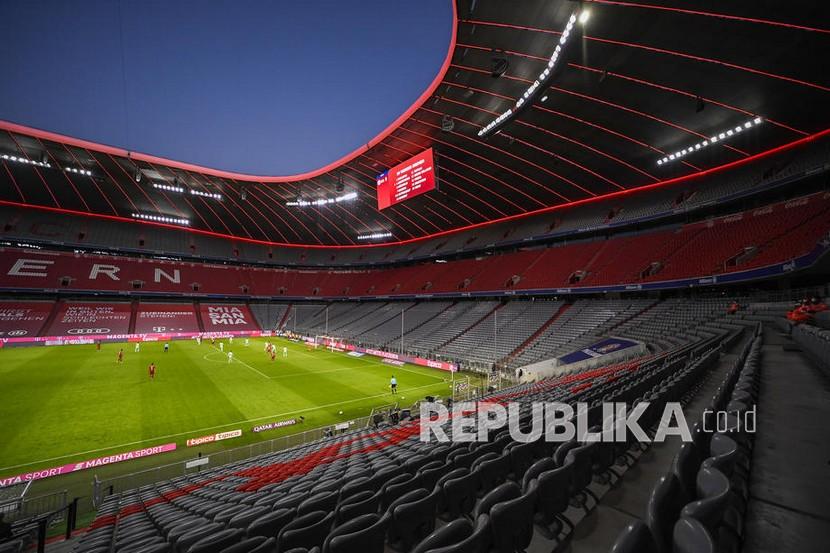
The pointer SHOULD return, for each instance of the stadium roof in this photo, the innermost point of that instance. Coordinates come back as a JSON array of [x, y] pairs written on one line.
[[639, 82]]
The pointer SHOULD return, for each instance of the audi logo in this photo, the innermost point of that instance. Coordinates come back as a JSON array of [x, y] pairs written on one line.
[[17, 332], [88, 331]]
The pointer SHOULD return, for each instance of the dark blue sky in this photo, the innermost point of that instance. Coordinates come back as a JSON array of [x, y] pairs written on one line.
[[254, 86]]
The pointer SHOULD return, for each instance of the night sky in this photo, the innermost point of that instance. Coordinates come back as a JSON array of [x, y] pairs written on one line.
[[253, 86]]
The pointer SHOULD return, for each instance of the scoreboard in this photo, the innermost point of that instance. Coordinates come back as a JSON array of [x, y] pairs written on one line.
[[407, 180]]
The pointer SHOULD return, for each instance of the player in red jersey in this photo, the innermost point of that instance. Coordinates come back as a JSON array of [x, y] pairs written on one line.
[[152, 370], [120, 355]]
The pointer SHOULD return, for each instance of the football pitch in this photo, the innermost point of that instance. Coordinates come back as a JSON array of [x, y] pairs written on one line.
[[62, 404]]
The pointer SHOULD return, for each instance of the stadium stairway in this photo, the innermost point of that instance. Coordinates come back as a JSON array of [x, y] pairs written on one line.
[[789, 488], [133, 316], [472, 326], [47, 324], [199, 322], [284, 318], [636, 315], [530, 339], [628, 502]]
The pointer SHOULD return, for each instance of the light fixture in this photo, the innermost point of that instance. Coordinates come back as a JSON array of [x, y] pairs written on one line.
[[715, 138], [213, 195], [168, 187], [86, 172], [537, 86], [584, 16], [161, 219], [498, 66], [544, 98], [374, 236], [27, 161], [299, 202], [447, 123]]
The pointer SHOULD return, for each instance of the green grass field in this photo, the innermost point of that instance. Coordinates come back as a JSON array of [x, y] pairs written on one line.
[[70, 403]]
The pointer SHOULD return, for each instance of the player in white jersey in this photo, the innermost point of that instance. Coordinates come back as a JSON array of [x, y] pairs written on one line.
[[246, 343], [221, 346], [230, 357], [284, 351], [137, 347]]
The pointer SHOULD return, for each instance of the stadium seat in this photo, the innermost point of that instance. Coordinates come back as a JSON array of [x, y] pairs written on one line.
[[248, 545], [552, 493], [636, 538], [690, 536], [307, 531], [361, 503], [218, 541], [362, 534], [412, 517], [243, 518], [270, 524], [321, 501]]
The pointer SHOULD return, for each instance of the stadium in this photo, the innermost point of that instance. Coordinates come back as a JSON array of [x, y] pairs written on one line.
[[265, 265]]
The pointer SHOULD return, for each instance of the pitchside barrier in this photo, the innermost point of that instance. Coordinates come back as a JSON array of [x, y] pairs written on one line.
[[109, 486], [139, 337], [118, 484]]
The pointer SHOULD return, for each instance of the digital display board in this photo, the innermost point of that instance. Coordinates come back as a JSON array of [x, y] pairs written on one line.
[[407, 180]]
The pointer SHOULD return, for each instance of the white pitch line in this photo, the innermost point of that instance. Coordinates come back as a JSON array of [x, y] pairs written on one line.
[[263, 375], [209, 428], [376, 360]]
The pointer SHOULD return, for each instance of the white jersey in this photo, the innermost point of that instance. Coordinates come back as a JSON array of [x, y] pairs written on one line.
[[230, 340], [285, 351], [221, 346], [246, 342], [230, 356], [137, 347]]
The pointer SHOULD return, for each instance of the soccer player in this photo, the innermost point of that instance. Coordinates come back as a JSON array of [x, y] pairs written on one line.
[[166, 347], [120, 356], [230, 340], [394, 385], [137, 347], [222, 346], [284, 351], [247, 343], [151, 369], [230, 357], [98, 345], [273, 355], [198, 340]]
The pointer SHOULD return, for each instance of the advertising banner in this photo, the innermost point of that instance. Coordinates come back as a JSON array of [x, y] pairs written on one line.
[[84, 465], [274, 425], [159, 318], [87, 319], [19, 319], [222, 317], [214, 437]]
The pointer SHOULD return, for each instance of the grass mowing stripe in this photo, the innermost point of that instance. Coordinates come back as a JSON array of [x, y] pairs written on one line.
[[66, 396], [212, 428]]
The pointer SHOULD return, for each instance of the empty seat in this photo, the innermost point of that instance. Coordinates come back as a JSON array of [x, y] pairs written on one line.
[[307, 531], [363, 534]]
